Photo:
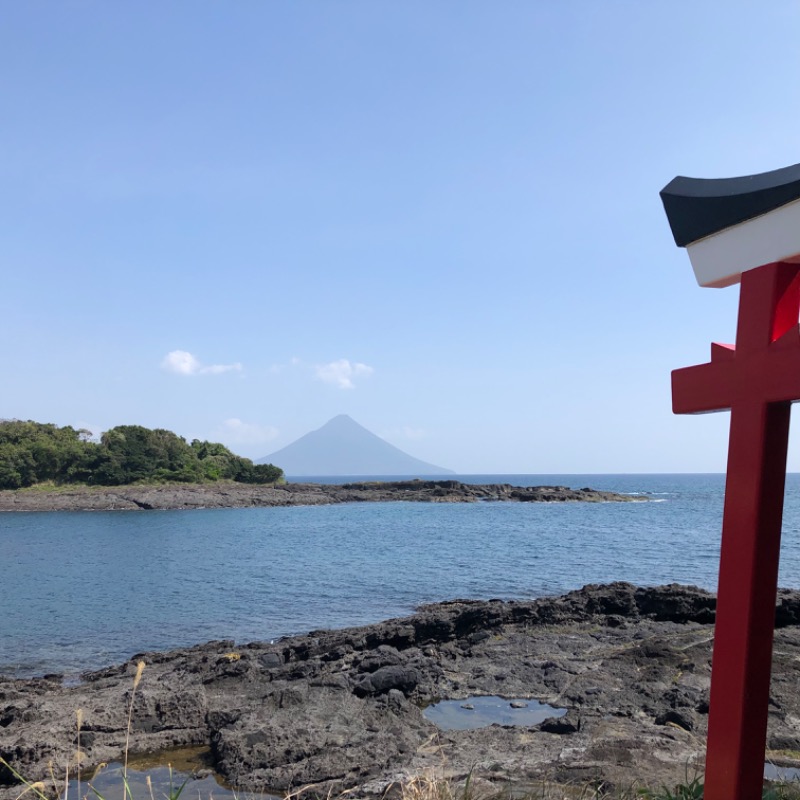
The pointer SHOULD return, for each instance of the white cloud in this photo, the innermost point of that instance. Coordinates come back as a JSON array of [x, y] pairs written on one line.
[[408, 432], [236, 432], [182, 363], [277, 369], [218, 369], [341, 373]]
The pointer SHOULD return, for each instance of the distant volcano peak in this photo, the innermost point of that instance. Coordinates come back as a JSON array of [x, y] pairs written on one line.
[[342, 419], [343, 447]]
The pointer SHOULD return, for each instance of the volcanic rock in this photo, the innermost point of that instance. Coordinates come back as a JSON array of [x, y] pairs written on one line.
[[343, 709]]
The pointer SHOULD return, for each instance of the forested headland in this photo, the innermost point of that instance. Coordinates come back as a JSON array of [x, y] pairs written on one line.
[[33, 452]]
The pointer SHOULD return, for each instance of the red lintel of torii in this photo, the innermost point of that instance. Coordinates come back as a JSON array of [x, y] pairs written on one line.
[[758, 379]]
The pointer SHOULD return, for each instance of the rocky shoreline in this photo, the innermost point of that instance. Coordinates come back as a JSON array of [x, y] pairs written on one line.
[[238, 495], [344, 709]]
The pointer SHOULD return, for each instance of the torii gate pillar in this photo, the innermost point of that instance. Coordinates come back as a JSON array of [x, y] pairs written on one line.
[[745, 230]]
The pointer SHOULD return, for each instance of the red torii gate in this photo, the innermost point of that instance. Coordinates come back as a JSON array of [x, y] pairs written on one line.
[[745, 230]]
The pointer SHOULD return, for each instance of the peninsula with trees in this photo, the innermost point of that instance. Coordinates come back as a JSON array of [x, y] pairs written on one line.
[[47, 468], [33, 453]]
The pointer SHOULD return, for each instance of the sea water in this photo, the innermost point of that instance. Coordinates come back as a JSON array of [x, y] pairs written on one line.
[[83, 590]]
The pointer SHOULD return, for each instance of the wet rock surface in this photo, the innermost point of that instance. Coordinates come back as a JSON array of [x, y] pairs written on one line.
[[343, 709], [237, 495]]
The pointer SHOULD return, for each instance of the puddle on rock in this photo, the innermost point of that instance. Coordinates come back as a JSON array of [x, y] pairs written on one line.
[[188, 760], [772, 772], [192, 763], [485, 710]]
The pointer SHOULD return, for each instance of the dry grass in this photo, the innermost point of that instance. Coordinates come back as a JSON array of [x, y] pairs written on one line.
[[59, 787], [432, 789]]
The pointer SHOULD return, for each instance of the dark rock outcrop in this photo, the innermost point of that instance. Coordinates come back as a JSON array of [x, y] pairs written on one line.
[[344, 709], [238, 495]]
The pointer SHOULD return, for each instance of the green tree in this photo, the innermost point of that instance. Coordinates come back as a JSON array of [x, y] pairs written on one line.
[[259, 473], [32, 452]]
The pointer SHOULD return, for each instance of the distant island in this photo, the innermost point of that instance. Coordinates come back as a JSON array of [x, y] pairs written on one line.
[[343, 447], [34, 453]]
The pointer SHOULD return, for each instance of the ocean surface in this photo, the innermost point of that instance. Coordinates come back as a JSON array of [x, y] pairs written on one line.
[[82, 590]]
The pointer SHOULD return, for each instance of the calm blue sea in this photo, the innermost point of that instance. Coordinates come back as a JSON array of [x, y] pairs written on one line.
[[82, 590]]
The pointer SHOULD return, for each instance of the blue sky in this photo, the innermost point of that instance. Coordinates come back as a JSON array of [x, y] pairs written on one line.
[[237, 220]]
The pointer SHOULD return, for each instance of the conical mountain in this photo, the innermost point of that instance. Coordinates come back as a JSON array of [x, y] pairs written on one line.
[[343, 447]]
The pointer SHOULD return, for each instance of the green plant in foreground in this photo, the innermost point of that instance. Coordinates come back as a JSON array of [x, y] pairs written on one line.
[[683, 791], [693, 790]]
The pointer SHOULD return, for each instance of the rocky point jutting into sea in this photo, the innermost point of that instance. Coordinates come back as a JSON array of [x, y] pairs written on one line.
[[237, 495], [344, 709]]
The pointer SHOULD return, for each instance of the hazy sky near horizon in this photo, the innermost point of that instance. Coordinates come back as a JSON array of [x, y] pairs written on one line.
[[238, 220]]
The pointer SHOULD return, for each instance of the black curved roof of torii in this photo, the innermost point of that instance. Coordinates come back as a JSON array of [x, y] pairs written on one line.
[[698, 207]]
